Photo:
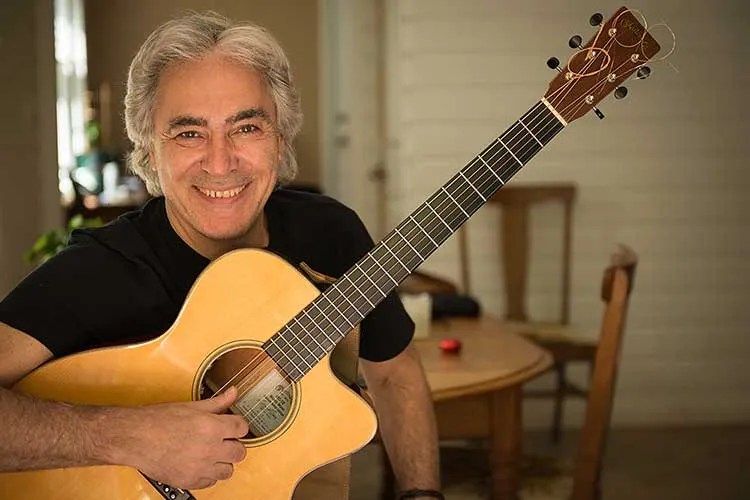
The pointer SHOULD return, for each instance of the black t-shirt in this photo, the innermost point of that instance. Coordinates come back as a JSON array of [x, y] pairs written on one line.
[[126, 282]]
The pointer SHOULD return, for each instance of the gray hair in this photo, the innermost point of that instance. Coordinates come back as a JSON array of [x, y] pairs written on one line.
[[188, 39]]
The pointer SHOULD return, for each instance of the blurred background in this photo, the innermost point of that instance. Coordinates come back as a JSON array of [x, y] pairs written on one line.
[[397, 96]]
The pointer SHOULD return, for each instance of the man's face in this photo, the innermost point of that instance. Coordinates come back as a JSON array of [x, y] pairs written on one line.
[[216, 151]]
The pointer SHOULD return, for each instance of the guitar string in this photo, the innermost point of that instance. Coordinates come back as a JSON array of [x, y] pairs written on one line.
[[422, 240]]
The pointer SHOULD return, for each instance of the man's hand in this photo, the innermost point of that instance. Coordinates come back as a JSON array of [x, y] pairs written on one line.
[[186, 445]]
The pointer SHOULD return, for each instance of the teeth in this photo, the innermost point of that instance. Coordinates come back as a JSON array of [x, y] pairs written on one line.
[[231, 193]]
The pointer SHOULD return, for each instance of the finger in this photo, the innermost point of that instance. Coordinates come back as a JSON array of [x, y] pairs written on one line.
[[219, 403], [204, 482], [232, 452], [223, 471], [234, 426]]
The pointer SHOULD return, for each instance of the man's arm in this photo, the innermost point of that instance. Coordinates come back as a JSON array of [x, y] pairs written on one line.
[[188, 445], [406, 417]]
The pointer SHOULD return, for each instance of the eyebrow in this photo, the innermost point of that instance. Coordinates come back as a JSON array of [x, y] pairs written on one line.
[[186, 121], [248, 114], [245, 114]]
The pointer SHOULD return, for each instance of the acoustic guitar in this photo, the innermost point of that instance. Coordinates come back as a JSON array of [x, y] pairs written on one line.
[[300, 415]]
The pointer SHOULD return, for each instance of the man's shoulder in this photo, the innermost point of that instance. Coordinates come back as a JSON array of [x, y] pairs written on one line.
[[311, 207], [126, 236]]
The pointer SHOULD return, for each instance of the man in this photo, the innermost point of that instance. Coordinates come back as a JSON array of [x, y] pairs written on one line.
[[212, 112]]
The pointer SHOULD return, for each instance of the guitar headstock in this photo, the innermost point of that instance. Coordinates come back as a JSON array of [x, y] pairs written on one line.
[[620, 47]]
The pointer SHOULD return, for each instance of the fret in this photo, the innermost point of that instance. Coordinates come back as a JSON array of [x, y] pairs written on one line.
[[472, 186], [280, 351], [509, 151], [397, 259], [384, 282], [409, 244], [419, 226], [385, 272], [364, 295], [530, 132], [341, 294], [303, 344], [321, 328], [439, 218], [296, 354], [341, 314], [502, 182], [371, 281], [294, 372], [455, 202], [347, 278], [467, 197]]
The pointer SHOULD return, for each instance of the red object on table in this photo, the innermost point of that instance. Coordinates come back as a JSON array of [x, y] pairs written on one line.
[[450, 346]]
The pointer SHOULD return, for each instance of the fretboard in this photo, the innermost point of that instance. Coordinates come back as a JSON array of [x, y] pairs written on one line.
[[316, 330]]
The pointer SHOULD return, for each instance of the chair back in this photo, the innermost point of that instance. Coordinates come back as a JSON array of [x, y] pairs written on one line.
[[617, 285], [515, 201]]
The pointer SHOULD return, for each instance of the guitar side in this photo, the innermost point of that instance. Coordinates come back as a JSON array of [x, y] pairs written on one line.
[[244, 295]]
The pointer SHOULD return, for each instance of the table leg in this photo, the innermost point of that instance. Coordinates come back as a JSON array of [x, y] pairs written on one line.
[[505, 445]]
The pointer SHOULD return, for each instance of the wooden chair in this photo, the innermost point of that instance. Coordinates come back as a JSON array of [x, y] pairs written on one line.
[[515, 202], [617, 285], [616, 288]]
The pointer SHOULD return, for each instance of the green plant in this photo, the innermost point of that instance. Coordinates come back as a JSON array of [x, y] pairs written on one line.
[[54, 240]]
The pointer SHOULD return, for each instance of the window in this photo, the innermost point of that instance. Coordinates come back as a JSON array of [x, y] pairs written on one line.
[[71, 68]]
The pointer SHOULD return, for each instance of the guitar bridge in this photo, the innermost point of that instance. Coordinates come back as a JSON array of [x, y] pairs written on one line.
[[170, 492]]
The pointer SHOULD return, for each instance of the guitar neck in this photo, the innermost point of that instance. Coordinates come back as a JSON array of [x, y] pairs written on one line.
[[316, 330]]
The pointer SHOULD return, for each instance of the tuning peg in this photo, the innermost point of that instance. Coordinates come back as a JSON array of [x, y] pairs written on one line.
[[575, 42], [643, 72], [554, 63], [596, 19], [621, 92]]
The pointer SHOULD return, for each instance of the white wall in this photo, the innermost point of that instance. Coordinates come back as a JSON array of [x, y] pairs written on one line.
[[664, 172]]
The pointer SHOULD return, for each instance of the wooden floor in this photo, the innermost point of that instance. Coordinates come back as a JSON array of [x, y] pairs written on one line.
[[660, 464]]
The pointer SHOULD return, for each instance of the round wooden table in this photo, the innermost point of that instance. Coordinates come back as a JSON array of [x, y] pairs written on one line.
[[477, 392]]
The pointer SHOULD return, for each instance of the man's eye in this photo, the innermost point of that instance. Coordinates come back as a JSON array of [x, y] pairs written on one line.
[[249, 129], [188, 134]]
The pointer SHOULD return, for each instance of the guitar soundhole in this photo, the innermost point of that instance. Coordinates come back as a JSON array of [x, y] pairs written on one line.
[[266, 398]]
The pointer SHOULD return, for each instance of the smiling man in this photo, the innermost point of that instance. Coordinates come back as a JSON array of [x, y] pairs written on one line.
[[212, 112]]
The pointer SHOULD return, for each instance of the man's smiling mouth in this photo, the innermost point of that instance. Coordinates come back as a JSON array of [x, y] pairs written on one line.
[[229, 193]]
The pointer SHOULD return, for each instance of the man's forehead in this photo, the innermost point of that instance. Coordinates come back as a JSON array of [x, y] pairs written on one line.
[[213, 88]]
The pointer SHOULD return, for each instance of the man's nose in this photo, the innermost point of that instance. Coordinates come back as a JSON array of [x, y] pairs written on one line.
[[220, 158]]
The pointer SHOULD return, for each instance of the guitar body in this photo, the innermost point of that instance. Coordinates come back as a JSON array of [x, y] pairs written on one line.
[[243, 297]]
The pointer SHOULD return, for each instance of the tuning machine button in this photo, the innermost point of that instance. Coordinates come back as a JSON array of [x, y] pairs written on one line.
[[643, 72], [554, 63], [621, 92], [596, 19], [575, 42]]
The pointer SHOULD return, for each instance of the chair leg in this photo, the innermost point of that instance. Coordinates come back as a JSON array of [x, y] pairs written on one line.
[[559, 399]]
